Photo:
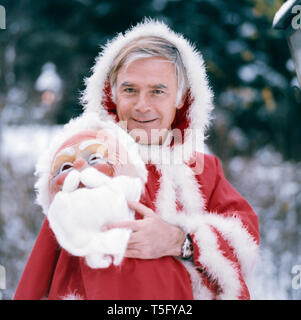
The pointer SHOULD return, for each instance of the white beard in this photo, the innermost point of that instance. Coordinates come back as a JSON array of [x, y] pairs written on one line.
[[76, 216]]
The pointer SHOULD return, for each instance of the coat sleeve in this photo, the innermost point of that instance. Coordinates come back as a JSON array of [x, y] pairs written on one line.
[[37, 275], [226, 238]]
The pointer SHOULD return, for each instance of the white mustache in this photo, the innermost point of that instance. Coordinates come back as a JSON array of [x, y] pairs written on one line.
[[90, 177]]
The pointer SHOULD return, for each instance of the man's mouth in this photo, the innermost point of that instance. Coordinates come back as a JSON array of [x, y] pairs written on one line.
[[144, 121]]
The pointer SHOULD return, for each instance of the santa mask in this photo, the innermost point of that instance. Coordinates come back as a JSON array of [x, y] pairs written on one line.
[[89, 186]]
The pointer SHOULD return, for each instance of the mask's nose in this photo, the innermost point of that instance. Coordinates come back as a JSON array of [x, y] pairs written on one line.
[[80, 164]]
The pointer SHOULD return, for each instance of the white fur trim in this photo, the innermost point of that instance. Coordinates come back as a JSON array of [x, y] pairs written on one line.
[[200, 291], [193, 220], [72, 296], [232, 229]]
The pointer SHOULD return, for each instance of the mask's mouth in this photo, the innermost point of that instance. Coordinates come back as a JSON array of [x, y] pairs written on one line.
[[81, 185], [88, 178]]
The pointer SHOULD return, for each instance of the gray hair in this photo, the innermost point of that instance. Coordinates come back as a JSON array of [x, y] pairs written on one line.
[[147, 47]]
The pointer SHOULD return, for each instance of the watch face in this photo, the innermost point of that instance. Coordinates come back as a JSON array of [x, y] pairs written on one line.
[[187, 248]]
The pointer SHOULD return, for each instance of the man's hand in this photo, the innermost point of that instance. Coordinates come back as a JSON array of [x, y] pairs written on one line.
[[152, 237]]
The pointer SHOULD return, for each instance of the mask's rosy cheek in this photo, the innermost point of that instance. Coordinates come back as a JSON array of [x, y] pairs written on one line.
[[58, 182], [105, 168]]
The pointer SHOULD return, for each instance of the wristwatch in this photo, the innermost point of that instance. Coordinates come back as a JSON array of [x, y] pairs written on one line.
[[187, 248]]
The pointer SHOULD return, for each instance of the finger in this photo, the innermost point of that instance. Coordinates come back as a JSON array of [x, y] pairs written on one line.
[[123, 224], [141, 208], [132, 253], [135, 240]]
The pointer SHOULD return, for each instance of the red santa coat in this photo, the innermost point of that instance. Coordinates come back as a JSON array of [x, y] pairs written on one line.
[[52, 272], [187, 189]]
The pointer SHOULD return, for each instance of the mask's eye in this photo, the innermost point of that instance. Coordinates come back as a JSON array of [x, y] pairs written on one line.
[[96, 158], [65, 167]]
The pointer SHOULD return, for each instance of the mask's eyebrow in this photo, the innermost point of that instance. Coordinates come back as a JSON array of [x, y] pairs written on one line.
[[87, 143], [66, 152]]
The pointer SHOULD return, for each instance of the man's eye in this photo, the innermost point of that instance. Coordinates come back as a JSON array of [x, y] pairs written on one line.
[[65, 167], [129, 90], [96, 159], [157, 91]]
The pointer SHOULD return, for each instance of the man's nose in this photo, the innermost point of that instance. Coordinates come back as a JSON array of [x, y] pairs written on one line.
[[143, 103], [79, 164]]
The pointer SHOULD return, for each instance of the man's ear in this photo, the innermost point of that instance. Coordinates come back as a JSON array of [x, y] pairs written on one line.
[[182, 101]]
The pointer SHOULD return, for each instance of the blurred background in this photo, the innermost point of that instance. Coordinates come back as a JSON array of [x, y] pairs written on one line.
[[48, 48]]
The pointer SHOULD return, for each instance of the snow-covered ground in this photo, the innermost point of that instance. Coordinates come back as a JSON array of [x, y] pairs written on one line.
[[272, 186]]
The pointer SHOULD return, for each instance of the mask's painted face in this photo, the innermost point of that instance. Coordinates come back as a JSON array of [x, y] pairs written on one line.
[[83, 150]]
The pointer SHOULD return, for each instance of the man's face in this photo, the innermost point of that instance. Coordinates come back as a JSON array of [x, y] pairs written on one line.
[[78, 153], [146, 93]]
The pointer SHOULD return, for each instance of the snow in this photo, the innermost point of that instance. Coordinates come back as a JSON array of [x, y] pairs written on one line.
[[249, 72], [23, 144], [235, 46], [48, 79], [273, 188], [248, 30], [290, 65], [159, 5]]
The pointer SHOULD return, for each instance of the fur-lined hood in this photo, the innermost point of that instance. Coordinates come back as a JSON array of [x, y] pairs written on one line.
[[193, 119]]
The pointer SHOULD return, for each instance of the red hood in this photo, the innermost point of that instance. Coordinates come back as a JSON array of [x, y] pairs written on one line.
[[181, 120], [195, 115]]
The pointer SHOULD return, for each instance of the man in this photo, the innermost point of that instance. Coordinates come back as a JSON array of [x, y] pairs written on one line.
[[153, 83], [198, 238]]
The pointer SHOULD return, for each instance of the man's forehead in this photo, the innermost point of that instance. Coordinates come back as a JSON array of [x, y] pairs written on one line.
[[147, 68]]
